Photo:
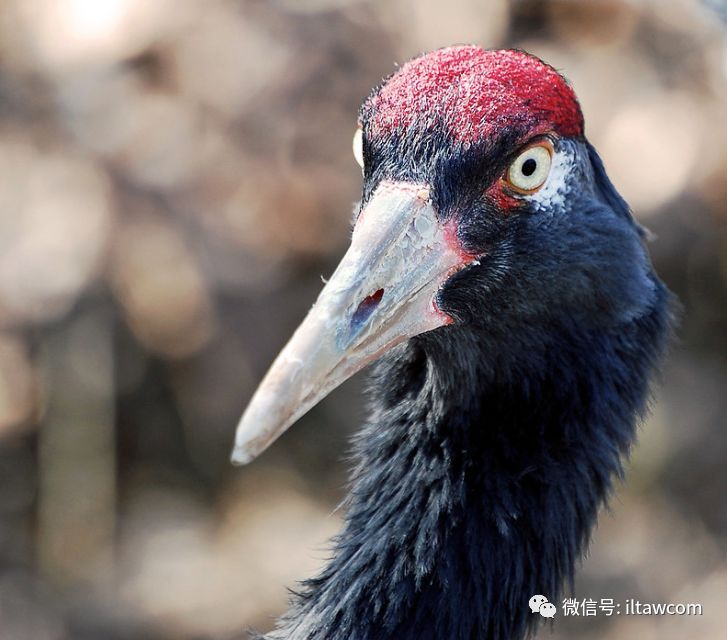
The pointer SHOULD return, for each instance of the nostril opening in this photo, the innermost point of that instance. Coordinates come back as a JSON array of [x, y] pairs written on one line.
[[366, 308]]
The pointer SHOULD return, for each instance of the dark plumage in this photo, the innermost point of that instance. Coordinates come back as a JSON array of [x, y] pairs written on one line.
[[494, 439]]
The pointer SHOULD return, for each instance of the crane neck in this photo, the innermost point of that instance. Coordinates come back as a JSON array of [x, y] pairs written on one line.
[[478, 484]]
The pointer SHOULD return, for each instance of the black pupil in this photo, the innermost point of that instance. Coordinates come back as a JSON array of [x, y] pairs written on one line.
[[529, 167]]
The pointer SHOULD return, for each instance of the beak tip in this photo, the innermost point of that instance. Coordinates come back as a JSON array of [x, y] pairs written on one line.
[[241, 456]]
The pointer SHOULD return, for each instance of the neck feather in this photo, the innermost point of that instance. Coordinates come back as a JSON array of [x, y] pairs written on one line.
[[478, 484]]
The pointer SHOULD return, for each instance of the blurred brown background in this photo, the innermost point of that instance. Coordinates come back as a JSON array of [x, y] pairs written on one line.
[[175, 178]]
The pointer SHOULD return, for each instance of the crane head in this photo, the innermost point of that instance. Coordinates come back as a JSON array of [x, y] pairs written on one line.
[[483, 206]]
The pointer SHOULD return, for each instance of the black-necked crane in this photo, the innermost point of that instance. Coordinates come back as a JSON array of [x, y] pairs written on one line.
[[504, 290]]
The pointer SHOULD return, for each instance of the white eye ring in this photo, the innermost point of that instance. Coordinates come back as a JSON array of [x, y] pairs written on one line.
[[531, 168], [358, 147]]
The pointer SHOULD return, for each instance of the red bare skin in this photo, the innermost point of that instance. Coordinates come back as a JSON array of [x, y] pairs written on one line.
[[486, 90]]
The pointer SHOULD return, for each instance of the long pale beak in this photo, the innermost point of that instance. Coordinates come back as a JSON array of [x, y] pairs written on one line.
[[382, 293]]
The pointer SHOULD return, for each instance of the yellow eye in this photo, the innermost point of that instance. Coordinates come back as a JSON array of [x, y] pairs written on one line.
[[358, 146], [531, 168]]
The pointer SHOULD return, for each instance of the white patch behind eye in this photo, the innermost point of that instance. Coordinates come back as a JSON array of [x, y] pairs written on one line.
[[553, 192]]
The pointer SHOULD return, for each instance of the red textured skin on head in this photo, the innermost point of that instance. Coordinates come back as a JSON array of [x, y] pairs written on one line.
[[454, 243], [473, 92], [504, 201]]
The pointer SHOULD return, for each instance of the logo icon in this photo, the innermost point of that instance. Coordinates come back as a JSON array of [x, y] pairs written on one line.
[[541, 605]]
